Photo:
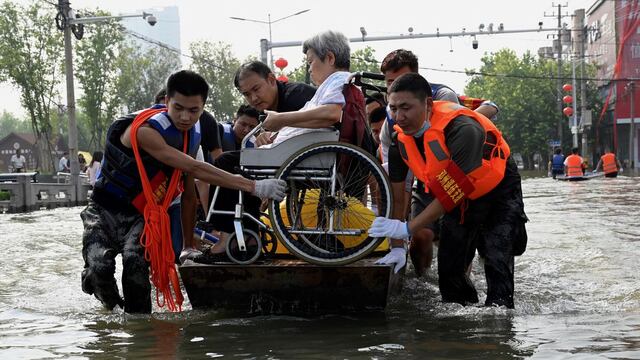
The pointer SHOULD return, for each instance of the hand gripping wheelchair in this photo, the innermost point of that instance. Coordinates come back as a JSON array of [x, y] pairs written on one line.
[[335, 190]]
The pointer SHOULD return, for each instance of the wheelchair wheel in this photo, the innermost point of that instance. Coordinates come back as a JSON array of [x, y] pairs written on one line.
[[253, 248], [335, 192], [269, 242]]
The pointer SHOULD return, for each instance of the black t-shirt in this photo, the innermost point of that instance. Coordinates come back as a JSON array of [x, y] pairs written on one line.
[[464, 138], [293, 96], [210, 133]]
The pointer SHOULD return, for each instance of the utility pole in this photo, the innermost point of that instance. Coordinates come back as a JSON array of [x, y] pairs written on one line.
[[65, 9], [266, 45], [70, 23], [574, 122], [632, 89], [577, 41], [558, 43], [582, 33]]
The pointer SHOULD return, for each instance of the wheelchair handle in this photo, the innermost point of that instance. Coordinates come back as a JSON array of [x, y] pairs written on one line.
[[357, 80], [251, 133], [368, 75]]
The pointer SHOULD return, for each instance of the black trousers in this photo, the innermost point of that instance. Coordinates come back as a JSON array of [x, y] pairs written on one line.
[[490, 225], [106, 234], [228, 198]]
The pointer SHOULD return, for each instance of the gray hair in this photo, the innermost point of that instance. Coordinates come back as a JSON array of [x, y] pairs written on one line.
[[330, 41]]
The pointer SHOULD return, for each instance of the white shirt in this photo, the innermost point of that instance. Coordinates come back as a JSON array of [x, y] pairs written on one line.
[[18, 161], [62, 164], [93, 171], [329, 92]]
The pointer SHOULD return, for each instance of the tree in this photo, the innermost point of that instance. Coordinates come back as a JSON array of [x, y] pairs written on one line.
[[31, 53], [217, 65], [96, 71], [11, 123], [526, 99], [361, 60], [301, 73], [140, 75], [525, 90], [365, 60]]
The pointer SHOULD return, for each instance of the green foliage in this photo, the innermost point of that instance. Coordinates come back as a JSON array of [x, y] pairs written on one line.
[[364, 60], [527, 99], [361, 60], [300, 74], [96, 72], [141, 74], [5, 195], [217, 65], [31, 52], [10, 123]]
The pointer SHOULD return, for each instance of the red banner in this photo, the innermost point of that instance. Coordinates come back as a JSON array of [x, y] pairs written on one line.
[[629, 58]]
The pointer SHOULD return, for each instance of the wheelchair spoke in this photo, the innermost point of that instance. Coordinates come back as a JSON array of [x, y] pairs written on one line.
[[335, 192]]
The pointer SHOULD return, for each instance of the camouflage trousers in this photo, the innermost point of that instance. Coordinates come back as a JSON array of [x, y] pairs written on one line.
[[107, 234]]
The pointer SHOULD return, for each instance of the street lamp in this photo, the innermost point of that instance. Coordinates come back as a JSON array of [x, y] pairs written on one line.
[[269, 22], [68, 22]]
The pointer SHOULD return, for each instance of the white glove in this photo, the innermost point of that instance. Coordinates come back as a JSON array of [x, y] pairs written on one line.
[[397, 255], [271, 189], [383, 227], [189, 254]]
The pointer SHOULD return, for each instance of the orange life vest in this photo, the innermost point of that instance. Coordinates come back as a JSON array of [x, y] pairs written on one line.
[[609, 163], [438, 159], [574, 165]]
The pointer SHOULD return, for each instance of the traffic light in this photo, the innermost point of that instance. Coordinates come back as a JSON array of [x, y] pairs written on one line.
[[568, 99]]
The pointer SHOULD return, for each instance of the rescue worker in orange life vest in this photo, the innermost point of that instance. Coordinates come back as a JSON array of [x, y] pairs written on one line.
[[113, 220], [610, 164], [574, 164], [463, 161]]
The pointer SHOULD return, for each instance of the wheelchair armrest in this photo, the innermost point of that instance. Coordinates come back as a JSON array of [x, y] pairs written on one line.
[[276, 155]]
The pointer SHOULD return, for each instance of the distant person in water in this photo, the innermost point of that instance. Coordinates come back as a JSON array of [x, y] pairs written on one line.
[[574, 164], [609, 164], [556, 165]]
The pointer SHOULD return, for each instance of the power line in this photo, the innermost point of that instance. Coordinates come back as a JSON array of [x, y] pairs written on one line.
[[50, 3], [515, 76], [536, 77], [172, 49]]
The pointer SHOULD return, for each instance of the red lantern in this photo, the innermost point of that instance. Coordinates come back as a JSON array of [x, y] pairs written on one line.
[[283, 78], [567, 87], [281, 63], [568, 99], [567, 111]]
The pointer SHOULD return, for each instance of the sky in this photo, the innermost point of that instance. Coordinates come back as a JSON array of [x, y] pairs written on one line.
[[210, 20]]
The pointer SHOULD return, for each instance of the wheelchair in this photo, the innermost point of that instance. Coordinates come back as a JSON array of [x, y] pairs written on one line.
[[334, 192]]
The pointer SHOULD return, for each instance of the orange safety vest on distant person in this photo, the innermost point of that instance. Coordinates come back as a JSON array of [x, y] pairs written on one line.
[[445, 180], [574, 165], [609, 163]]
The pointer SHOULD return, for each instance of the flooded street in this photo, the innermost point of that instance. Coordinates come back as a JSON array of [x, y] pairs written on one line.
[[577, 296]]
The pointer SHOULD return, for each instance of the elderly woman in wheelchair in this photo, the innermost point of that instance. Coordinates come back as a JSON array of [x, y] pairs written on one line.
[[335, 188]]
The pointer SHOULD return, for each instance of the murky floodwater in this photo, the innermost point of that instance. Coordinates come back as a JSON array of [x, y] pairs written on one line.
[[577, 296]]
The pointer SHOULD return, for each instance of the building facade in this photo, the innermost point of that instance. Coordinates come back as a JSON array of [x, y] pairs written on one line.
[[27, 144], [613, 44]]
